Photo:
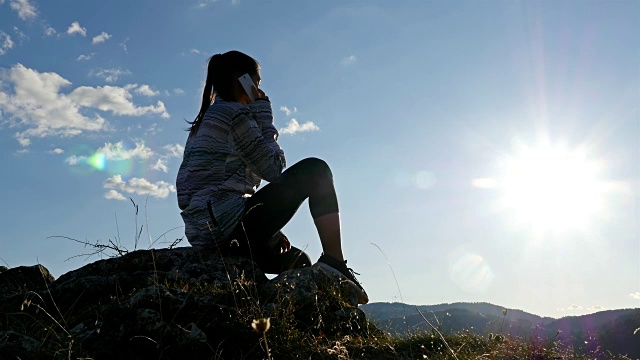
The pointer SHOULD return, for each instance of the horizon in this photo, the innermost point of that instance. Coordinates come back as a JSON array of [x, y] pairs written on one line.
[[481, 151], [502, 307]]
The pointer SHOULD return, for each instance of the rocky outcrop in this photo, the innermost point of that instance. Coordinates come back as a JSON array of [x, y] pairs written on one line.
[[166, 304]]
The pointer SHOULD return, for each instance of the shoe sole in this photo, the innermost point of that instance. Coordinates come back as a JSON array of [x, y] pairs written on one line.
[[362, 296]]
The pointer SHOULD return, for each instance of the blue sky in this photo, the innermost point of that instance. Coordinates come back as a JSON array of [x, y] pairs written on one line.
[[490, 149]]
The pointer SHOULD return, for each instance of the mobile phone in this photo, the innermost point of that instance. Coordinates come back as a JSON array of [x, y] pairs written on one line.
[[247, 84]]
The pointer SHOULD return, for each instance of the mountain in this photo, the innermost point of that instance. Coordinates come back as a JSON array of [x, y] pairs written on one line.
[[477, 317], [611, 330]]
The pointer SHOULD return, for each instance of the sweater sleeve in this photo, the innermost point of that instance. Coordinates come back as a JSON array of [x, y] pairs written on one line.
[[255, 140], [262, 113]]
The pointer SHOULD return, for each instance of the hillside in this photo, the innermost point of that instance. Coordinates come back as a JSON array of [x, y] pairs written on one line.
[[612, 330], [188, 304]]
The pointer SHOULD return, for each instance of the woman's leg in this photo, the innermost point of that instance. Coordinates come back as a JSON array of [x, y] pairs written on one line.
[[271, 208], [328, 227], [268, 261]]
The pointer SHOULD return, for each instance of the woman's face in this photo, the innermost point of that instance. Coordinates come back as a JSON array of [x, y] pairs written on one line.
[[257, 79]]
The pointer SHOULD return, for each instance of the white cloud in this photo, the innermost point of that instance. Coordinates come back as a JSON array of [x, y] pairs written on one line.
[[38, 104], [171, 151], [49, 31], [140, 186], [146, 91], [349, 60], [161, 165], [74, 160], [85, 57], [123, 45], [5, 43], [110, 75], [75, 28], [574, 307], [114, 195], [635, 295], [174, 150], [23, 141], [25, 10], [19, 34], [101, 38], [56, 151], [195, 51], [117, 151], [287, 111], [294, 127], [203, 3], [114, 99], [178, 91], [151, 130]]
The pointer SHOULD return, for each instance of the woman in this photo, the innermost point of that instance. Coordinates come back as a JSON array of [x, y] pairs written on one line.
[[232, 146]]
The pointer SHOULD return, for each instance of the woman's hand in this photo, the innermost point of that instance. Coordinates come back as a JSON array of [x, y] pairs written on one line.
[[258, 93], [282, 244]]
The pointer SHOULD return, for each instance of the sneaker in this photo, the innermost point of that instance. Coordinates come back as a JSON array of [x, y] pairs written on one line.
[[340, 268]]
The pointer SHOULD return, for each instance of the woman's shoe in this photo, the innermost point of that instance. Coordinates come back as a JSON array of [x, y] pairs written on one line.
[[340, 268]]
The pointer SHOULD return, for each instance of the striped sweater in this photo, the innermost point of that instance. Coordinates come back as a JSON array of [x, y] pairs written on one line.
[[234, 148]]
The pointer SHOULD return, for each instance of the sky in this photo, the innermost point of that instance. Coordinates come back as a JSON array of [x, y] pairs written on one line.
[[483, 151]]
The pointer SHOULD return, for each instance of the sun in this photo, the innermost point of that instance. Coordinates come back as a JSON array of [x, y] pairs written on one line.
[[551, 188]]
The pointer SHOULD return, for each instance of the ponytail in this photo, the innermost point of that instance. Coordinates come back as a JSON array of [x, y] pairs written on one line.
[[207, 94]]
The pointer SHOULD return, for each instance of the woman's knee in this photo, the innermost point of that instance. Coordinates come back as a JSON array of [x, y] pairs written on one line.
[[318, 168]]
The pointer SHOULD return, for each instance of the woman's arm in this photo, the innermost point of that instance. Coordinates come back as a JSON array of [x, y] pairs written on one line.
[[256, 144], [262, 113]]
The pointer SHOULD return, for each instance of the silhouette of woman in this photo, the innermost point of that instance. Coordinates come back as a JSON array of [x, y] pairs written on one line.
[[232, 146]]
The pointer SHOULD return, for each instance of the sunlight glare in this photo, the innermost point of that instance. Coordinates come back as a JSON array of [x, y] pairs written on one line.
[[552, 188]]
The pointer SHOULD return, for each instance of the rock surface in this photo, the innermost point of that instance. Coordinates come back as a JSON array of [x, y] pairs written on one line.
[[166, 304]]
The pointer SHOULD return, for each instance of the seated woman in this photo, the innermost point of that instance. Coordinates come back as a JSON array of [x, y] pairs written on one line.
[[232, 146]]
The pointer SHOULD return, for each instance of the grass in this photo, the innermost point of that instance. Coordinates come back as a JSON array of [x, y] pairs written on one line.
[[232, 337], [250, 323]]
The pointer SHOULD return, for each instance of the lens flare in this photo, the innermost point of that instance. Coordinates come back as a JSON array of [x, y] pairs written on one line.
[[98, 161], [120, 167], [424, 180], [114, 159], [471, 272]]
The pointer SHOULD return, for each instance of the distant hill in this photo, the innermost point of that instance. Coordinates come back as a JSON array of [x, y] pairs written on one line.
[[612, 330]]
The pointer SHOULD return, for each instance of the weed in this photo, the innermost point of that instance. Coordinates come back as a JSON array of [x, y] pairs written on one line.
[[185, 317]]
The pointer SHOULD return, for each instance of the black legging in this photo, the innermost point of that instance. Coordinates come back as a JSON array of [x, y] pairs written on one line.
[[271, 208]]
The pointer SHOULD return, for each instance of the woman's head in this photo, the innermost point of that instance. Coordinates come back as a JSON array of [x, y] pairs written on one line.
[[223, 72], [225, 69]]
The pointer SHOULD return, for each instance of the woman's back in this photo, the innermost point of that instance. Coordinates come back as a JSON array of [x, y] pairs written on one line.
[[211, 163], [225, 158]]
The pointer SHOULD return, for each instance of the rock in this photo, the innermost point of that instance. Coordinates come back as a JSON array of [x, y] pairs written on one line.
[[183, 267], [320, 300], [15, 345], [178, 303], [24, 278]]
